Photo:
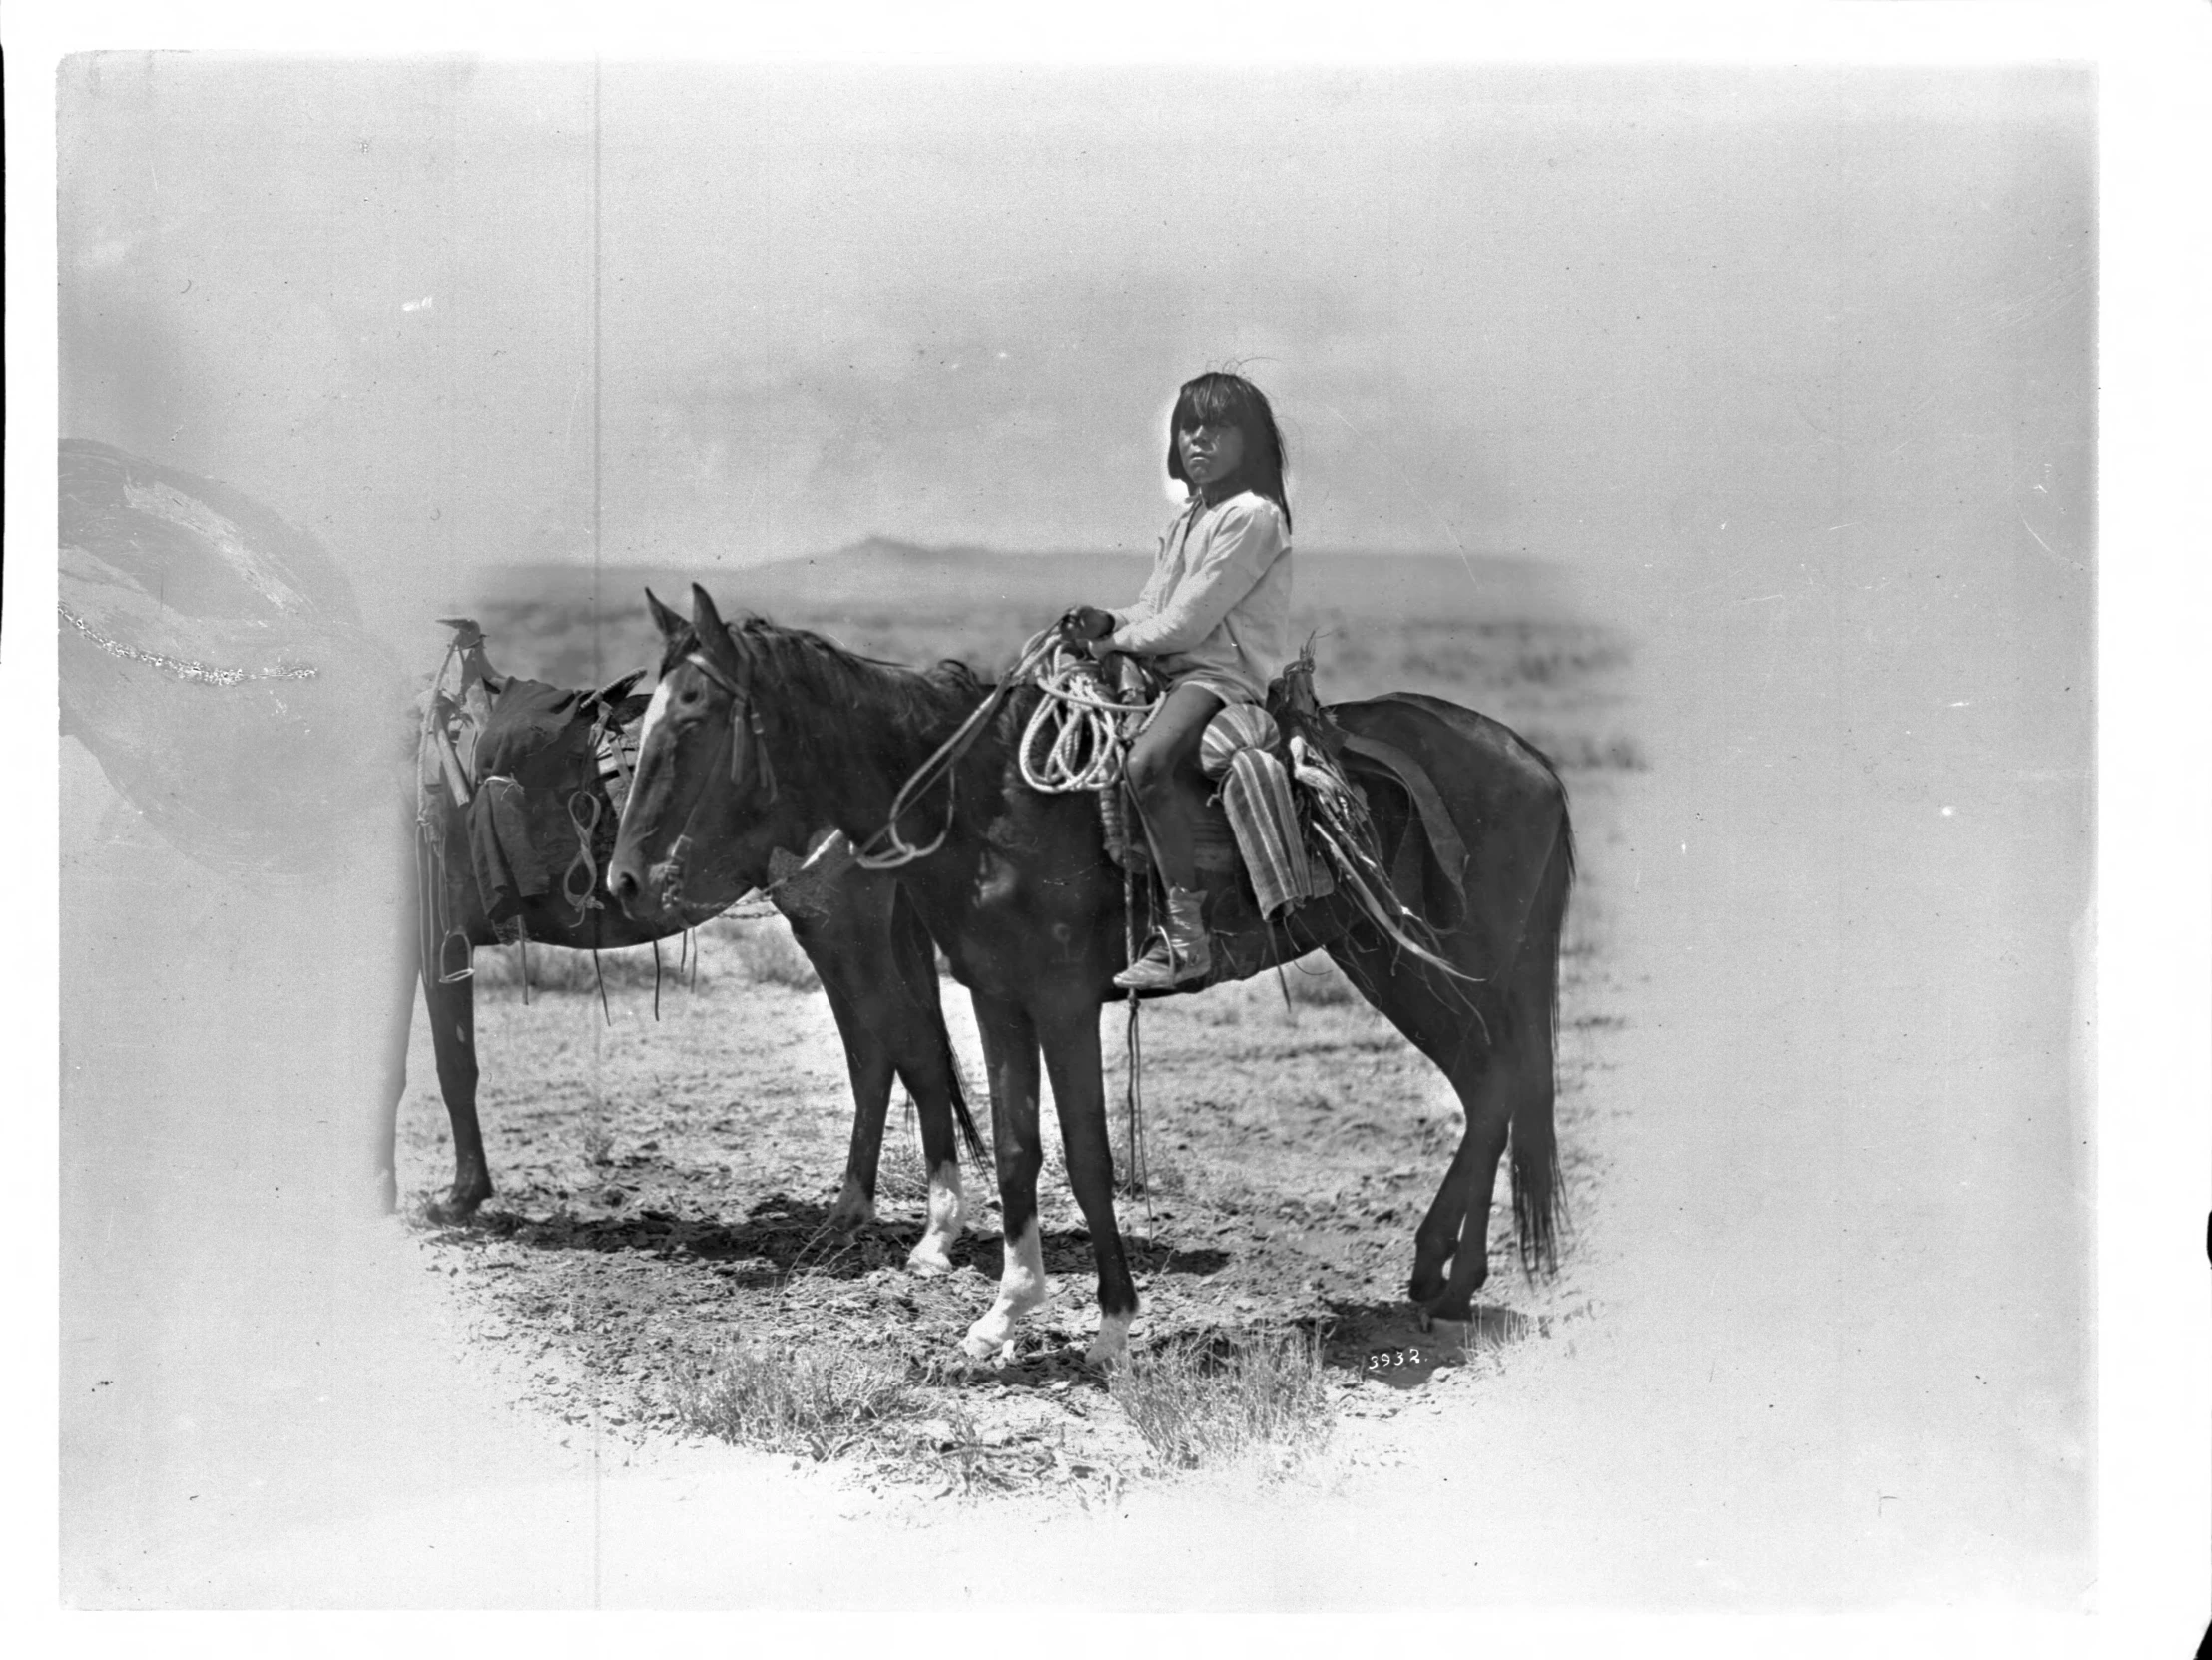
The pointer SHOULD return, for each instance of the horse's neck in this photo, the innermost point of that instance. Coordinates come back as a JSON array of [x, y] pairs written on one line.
[[849, 777]]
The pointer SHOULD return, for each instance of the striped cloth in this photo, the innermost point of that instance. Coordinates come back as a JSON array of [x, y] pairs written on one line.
[[1256, 790]]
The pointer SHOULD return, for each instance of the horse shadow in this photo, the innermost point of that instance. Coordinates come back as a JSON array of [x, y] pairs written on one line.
[[778, 1237], [1390, 1342]]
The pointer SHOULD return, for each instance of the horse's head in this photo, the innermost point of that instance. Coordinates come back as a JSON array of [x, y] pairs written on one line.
[[705, 814]]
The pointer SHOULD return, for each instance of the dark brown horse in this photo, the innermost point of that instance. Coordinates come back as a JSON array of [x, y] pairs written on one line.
[[1020, 894], [213, 657], [867, 944]]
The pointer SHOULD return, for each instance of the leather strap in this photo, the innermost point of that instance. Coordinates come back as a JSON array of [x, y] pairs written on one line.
[[1436, 818]]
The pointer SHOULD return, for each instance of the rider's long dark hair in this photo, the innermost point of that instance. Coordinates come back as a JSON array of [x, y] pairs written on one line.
[[1232, 400]]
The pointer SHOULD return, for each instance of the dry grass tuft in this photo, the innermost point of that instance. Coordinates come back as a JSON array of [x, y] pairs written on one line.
[[554, 970], [815, 1401], [770, 957], [1316, 981], [1212, 1404]]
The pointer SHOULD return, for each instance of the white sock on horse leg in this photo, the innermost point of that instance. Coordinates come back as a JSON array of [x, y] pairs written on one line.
[[1023, 1288], [1112, 1340], [933, 1249]]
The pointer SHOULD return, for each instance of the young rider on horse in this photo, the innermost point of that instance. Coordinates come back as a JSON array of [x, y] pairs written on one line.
[[1215, 620]]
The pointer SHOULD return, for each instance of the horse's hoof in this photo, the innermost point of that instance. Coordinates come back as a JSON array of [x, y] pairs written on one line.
[[1428, 1283], [1112, 1341], [982, 1346], [450, 1212], [847, 1217], [1443, 1310], [928, 1262]]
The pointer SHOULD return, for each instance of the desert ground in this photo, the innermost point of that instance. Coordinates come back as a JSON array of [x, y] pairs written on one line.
[[667, 1161]]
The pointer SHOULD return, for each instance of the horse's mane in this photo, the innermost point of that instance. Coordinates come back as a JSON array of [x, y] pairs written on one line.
[[831, 699]]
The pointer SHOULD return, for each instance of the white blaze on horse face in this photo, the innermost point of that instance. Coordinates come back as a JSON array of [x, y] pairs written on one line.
[[933, 1251], [653, 713], [1022, 1290]]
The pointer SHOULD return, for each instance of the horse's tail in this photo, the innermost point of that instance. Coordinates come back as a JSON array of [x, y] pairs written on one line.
[[905, 917], [1540, 1193], [969, 1136]]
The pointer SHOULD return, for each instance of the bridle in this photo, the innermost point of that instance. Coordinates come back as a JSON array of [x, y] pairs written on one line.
[[744, 720], [746, 738]]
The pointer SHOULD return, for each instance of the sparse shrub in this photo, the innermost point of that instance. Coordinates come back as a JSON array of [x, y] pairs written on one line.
[[1212, 1404], [554, 970], [816, 1402], [772, 958]]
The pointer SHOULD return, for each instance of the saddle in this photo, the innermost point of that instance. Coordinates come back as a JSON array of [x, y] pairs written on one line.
[[1307, 748], [502, 751]]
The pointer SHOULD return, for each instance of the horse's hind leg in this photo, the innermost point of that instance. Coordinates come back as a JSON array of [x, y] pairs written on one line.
[[922, 1049], [453, 1036], [1010, 1049], [878, 969], [1518, 1090], [868, 1064], [1457, 1230], [1454, 1234]]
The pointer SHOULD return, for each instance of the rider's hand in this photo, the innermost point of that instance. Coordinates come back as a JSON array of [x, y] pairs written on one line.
[[1087, 622]]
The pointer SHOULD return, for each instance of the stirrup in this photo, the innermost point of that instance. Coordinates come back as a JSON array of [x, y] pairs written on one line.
[[1160, 968]]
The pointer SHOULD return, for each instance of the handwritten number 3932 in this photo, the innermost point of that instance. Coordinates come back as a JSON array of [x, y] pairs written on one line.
[[1381, 1358]]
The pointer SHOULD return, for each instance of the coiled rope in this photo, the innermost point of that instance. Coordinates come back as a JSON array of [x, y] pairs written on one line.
[[1075, 739]]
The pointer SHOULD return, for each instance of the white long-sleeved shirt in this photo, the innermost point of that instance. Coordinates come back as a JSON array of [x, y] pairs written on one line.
[[1217, 607]]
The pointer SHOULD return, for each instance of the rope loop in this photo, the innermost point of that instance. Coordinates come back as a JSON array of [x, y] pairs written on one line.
[[1078, 736]]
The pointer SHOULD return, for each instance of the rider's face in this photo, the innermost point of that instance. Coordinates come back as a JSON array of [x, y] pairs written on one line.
[[1210, 454]]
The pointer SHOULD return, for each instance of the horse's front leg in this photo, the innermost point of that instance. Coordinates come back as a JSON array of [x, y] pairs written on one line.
[[856, 1005], [1010, 1051], [383, 1131], [1079, 1091], [453, 1037]]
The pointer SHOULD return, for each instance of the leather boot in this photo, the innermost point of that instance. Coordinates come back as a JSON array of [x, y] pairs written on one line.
[[1177, 953]]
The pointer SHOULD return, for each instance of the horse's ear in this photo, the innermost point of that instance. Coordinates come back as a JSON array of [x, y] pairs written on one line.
[[707, 622], [668, 622]]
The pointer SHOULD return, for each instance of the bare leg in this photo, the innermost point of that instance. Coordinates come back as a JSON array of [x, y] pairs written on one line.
[[1167, 745]]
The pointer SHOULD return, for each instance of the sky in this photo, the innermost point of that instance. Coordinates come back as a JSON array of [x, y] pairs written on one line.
[[1568, 313]]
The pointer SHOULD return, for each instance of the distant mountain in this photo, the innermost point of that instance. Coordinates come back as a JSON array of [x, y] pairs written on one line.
[[882, 576]]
